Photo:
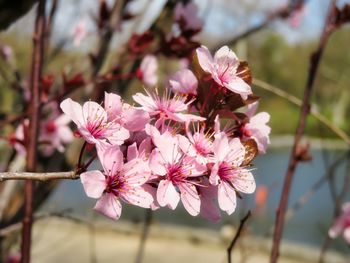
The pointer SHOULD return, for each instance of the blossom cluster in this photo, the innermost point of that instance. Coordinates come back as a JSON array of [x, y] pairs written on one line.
[[169, 147]]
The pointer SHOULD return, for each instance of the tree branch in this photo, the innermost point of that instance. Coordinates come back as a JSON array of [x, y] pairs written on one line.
[[238, 234], [38, 176], [34, 121], [305, 108], [313, 110]]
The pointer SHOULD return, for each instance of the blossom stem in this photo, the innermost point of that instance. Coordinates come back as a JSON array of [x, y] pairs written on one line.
[[81, 155]]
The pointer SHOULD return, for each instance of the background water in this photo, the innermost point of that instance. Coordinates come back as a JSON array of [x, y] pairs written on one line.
[[309, 224]]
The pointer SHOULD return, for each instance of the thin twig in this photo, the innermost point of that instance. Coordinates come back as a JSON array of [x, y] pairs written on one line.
[[71, 175], [281, 12], [144, 235], [313, 110], [337, 209], [238, 234], [294, 158], [34, 121]]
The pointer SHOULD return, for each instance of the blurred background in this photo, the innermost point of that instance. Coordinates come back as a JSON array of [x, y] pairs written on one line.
[[278, 54]]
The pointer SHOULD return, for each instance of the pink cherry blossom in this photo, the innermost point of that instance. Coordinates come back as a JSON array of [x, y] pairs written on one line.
[[223, 69], [189, 15], [126, 115], [118, 181], [92, 122], [176, 171], [147, 72], [297, 17], [197, 145], [17, 139], [226, 172], [55, 132], [257, 127], [79, 32], [166, 107], [183, 82], [342, 224]]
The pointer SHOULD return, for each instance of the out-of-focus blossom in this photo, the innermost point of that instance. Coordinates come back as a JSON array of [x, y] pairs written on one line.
[[183, 82], [296, 18], [223, 69], [17, 139], [227, 173], [261, 195], [92, 122], [54, 133], [79, 32], [341, 225], [256, 128], [118, 181], [147, 73], [187, 16], [6, 52]]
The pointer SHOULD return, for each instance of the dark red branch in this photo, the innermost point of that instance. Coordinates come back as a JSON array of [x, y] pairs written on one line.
[[34, 119], [305, 109], [236, 237]]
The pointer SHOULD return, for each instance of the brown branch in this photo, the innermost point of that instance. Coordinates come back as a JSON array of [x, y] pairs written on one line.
[[337, 210], [34, 120], [281, 12], [38, 176], [238, 234], [144, 235], [313, 110], [305, 108]]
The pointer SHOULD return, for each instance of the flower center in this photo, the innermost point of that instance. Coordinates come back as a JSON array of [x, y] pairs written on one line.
[[226, 171], [50, 127], [115, 184], [175, 173]]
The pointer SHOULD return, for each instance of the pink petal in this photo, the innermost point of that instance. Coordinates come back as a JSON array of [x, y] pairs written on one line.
[[109, 206], [138, 196], [221, 146], [135, 119], [74, 111], [184, 82], [113, 105], [237, 152], [346, 235], [214, 177], [226, 197], [167, 194], [225, 56], [65, 134], [94, 113], [239, 86], [119, 136], [190, 198], [244, 182], [94, 183], [205, 59], [111, 158], [145, 101], [132, 152], [157, 163]]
